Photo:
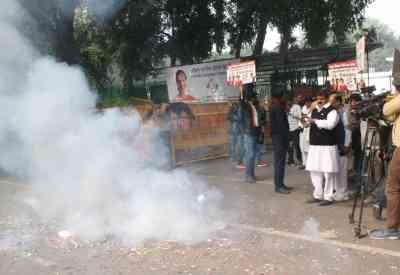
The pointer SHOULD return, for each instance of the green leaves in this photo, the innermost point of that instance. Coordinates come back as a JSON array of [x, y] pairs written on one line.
[[128, 39], [193, 27]]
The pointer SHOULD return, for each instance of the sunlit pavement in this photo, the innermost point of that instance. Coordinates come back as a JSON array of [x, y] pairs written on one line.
[[265, 233]]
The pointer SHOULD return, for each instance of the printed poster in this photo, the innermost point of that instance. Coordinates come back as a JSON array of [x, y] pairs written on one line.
[[200, 82], [241, 73]]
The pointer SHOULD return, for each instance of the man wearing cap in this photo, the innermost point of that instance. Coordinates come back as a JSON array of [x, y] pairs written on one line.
[[392, 110], [323, 155]]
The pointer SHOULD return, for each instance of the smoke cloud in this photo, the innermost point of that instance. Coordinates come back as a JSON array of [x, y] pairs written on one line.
[[94, 174], [103, 10]]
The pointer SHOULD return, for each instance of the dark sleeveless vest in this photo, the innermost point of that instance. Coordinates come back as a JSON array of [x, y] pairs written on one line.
[[319, 136]]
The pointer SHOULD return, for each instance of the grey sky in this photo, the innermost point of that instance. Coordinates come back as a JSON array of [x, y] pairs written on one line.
[[386, 11]]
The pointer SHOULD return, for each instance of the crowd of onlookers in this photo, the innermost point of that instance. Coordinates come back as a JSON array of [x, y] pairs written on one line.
[[318, 134]]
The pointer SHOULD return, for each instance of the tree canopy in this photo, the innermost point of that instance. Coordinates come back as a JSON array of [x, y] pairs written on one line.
[[137, 36]]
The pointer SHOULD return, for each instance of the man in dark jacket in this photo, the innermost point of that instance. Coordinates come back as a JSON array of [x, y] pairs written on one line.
[[280, 141], [233, 118], [248, 120], [355, 123]]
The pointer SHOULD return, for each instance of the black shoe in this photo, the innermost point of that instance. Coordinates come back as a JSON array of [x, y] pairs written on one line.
[[282, 191], [288, 188], [313, 200], [301, 167], [326, 203]]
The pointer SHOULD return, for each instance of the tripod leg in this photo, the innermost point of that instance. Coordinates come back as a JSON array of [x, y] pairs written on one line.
[[357, 229], [353, 211]]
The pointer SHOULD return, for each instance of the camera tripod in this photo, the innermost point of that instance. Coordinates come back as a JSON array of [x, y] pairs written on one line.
[[371, 172]]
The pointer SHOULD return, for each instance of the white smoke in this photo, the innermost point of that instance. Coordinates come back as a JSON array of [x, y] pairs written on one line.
[[95, 174], [103, 10], [311, 228]]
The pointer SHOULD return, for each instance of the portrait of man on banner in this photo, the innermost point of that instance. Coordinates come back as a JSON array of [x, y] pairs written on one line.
[[182, 87]]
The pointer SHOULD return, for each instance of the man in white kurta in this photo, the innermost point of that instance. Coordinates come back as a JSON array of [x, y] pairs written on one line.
[[323, 155]]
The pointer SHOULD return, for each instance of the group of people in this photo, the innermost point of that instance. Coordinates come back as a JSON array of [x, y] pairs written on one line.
[[315, 134], [320, 134], [247, 128], [323, 134]]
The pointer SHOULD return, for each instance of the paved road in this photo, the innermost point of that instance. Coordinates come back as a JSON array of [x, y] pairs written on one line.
[[266, 233]]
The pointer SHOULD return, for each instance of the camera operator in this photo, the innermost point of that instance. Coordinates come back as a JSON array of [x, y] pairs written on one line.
[[355, 125], [390, 109]]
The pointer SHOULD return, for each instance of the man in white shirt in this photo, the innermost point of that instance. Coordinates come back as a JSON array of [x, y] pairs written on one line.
[[305, 133], [344, 143], [323, 154], [294, 117]]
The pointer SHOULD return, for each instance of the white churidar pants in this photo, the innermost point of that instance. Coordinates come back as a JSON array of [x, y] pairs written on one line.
[[324, 184], [304, 144], [341, 181], [323, 164]]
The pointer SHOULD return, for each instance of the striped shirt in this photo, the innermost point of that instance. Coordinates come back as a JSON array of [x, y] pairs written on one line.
[[294, 117]]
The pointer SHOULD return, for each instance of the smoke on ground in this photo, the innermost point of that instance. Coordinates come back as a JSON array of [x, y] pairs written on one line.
[[92, 173]]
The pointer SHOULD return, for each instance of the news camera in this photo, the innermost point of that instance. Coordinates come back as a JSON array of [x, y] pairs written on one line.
[[371, 106]]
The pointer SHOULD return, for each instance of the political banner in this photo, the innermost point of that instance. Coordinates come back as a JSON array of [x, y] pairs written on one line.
[[200, 82], [241, 73], [343, 75], [361, 55]]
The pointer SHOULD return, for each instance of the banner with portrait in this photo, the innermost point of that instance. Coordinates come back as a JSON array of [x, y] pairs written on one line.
[[200, 82]]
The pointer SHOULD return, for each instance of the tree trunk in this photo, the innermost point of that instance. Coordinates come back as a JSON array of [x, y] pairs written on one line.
[[128, 82], [237, 49], [261, 33], [66, 47], [172, 40], [173, 60], [284, 46]]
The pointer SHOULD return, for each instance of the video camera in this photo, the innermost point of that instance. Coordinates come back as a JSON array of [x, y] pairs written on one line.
[[368, 90], [371, 106]]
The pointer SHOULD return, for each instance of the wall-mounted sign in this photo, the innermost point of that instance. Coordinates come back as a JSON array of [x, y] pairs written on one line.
[[241, 73], [361, 55], [343, 75], [200, 81]]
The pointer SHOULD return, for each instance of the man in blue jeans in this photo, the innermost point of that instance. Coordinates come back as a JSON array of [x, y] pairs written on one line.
[[262, 117], [249, 121], [233, 132], [280, 141]]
